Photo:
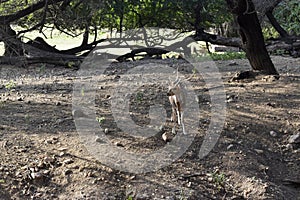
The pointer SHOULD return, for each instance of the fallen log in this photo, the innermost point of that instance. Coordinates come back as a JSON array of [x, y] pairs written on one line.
[[149, 52], [59, 60]]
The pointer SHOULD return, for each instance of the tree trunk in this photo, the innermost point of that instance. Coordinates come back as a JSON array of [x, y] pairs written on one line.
[[9, 36], [252, 38]]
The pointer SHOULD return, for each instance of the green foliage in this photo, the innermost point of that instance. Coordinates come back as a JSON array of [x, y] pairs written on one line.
[[10, 85], [221, 56], [120, 15], [269, 32], [228, 55], [139, 96], [287, 13], [100, 120], [218, 178]]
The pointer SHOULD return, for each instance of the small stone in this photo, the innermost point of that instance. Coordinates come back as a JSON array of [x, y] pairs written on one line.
[[106, 130], [36, 175], [40, 165], [99, 140], [259, 151], [48, 141], [78, 113], [263, 167], [68, 172], [46, 172], [48, 159], [57, 103], [230, 146], [68, 161], [273, 134], [64, 149], [61, 154], [289, 146], [118, 144], [232, 64], [20, 99], [294, 139], [210, 179]]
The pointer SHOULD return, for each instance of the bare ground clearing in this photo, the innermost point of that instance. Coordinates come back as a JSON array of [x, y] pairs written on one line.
[[41, 156]]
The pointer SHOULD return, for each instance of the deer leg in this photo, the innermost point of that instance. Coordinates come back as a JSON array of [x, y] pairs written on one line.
[[173, 115], [182, 123], [178, 117]]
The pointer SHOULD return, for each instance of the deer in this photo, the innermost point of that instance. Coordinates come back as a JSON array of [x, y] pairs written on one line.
[[177, 98]]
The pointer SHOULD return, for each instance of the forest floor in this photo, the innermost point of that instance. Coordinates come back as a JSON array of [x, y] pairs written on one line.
[[256, 157]]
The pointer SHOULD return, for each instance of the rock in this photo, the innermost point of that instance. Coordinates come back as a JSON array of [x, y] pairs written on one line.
[[68, 161], [273, 134], [270, 78], [259, 151], [64, 149], [48, 159], [231, 98], [99, 140], [68, 172], [232, 64], [230, 146], [294, 139], [262, 167], [118, 144], [106, 130], [243, 75], [271, 104], [20, 99], [61, 154], [38, 177], [78, 113]]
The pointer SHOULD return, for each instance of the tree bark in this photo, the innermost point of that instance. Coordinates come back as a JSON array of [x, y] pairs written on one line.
[[251, 34]]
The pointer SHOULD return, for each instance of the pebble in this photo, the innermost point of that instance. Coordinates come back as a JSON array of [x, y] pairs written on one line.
[[118, 144], [78, 113], [232, 64], [259, 151], [230, 146], [64, 149], [273, 134], [99, 140], [294, 139], [68, 172], [36, 175], [61, 154], [20, 99], [68, 161], [106, 130]]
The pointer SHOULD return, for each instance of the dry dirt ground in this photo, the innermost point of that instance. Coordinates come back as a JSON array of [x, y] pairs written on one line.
[[257, 155]]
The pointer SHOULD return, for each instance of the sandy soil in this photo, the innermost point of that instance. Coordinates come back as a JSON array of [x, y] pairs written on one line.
[[257, 155]]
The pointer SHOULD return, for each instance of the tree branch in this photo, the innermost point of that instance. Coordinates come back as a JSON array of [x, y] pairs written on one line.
[[6, 19]]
